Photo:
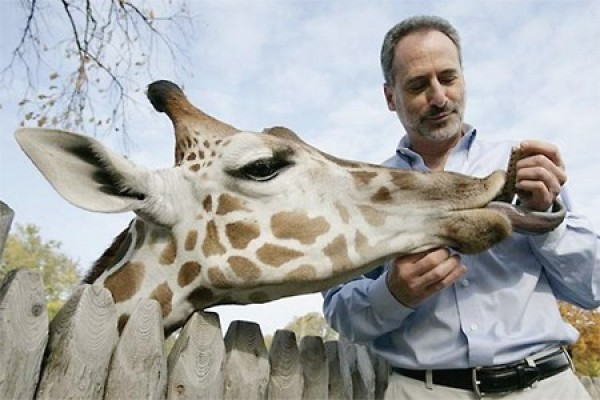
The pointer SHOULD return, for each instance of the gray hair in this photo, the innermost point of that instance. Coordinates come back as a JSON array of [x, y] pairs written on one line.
[[406, 27]]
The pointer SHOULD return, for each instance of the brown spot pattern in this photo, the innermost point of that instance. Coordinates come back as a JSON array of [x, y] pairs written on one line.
[[190, 240], [164, 295], [343, 211], [276, 256], [244, 268], [361, 243], [241, 233], [298, 226], [200, 297], [195, 167], [191, 157], [403, 179], [212, 246], [363, 177], [383, 195], [126, 281], [187, 273], [371, 215], [218, 279], [259, 297], [229, 203], [337, 251], [167, 256], [207, 203], [303, 273]]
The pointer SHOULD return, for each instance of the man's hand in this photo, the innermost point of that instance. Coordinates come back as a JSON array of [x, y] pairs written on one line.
[[540, 175], [415, 277]]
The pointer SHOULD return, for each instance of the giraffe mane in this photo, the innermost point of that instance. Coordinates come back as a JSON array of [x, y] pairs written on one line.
[[109, 258]]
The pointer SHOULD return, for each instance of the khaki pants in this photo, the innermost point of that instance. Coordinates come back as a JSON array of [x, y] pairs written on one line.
[[563, 386]]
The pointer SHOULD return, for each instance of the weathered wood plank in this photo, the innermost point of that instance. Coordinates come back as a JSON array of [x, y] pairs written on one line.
[[363, 376], [82, 337], [138, 369], [314, 367], [286, 381], [6, 218], [23, 333], [596, 384], [591, 387], [340, 381], [246, 364], [382, 372], [196, 362]]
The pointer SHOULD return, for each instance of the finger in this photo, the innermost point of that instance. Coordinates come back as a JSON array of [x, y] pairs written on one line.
[[412, 266], [532, 147], [447, 281], [542, 166], [538, 179], [439, 273]]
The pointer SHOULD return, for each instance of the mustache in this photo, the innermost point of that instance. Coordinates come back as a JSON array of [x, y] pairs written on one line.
[[434, 111]]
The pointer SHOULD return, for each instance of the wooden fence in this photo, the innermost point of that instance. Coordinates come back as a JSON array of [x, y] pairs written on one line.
[[79, 355]]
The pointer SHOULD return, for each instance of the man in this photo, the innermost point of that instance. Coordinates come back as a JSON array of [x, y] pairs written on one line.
[[458, 326]]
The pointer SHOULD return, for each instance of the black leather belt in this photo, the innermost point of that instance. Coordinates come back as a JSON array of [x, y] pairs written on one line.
[[496, 379]]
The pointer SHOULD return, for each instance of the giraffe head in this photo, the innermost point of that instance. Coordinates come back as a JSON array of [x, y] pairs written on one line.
[[251, 217]]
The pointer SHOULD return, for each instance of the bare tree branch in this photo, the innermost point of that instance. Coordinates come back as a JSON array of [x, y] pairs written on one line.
[[107, 47]]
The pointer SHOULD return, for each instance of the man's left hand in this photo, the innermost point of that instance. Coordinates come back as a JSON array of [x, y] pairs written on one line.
[[540, 175]]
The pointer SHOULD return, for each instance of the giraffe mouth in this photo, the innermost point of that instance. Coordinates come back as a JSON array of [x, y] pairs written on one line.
[[523, 220], [530, 222]]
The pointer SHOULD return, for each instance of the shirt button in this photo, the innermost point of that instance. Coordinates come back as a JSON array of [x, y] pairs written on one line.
[[465, 283], [474, 327]]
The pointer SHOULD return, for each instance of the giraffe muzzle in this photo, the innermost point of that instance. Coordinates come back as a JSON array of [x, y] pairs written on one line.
[[523, 220]]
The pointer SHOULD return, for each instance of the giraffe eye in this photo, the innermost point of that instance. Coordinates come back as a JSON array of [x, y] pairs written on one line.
[[262, 170]]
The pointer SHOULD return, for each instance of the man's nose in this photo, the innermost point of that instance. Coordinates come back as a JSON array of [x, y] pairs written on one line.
[[437, 95]]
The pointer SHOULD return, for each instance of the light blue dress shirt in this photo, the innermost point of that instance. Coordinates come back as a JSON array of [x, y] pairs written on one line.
[[501, 310]]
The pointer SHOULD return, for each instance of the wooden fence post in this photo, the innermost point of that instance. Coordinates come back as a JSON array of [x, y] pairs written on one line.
[[591, 387], [6, 217], [138, 369], [197, 359], [315, 368], [82, 338], [23, 333], [340, 381], [286, 381], [363, 376], [382, 374], [246, 365]]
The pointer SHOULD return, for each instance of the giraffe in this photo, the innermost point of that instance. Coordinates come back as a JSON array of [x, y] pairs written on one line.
[[247, 217]]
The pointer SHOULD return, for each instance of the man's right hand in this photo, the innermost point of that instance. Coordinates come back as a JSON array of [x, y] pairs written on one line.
[[415, 277]]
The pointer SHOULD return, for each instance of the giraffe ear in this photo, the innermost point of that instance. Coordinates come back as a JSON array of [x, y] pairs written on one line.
[[85, 172]]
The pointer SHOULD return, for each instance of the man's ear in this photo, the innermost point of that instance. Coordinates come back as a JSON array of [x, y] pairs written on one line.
[[388, 92], [85, 172]]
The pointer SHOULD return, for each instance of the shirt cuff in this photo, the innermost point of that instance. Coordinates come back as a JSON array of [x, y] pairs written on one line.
[[549, 240], [383, 302]]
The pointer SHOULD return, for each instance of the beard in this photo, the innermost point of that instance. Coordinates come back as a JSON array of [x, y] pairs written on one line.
[[441, 123]]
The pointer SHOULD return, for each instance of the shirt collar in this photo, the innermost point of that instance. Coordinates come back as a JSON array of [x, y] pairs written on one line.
[[414, 159]]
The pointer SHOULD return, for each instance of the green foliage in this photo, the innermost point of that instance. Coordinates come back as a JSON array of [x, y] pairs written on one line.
[[312, 324], [586, 351], [25, 248]]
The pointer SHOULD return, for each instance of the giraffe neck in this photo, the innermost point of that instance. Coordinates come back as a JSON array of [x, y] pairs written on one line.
[[142, 263]]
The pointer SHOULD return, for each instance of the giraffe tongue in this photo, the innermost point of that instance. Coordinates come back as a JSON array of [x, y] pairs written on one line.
[[523, 220], [531, 222]]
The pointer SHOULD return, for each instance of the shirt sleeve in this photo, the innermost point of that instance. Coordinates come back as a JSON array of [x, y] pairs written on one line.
[[364, 309], [570, 258]]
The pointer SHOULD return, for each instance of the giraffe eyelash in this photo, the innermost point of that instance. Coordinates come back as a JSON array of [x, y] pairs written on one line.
[[261, 170]]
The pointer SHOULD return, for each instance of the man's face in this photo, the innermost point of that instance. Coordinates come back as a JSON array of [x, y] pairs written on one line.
[[428, 92]]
